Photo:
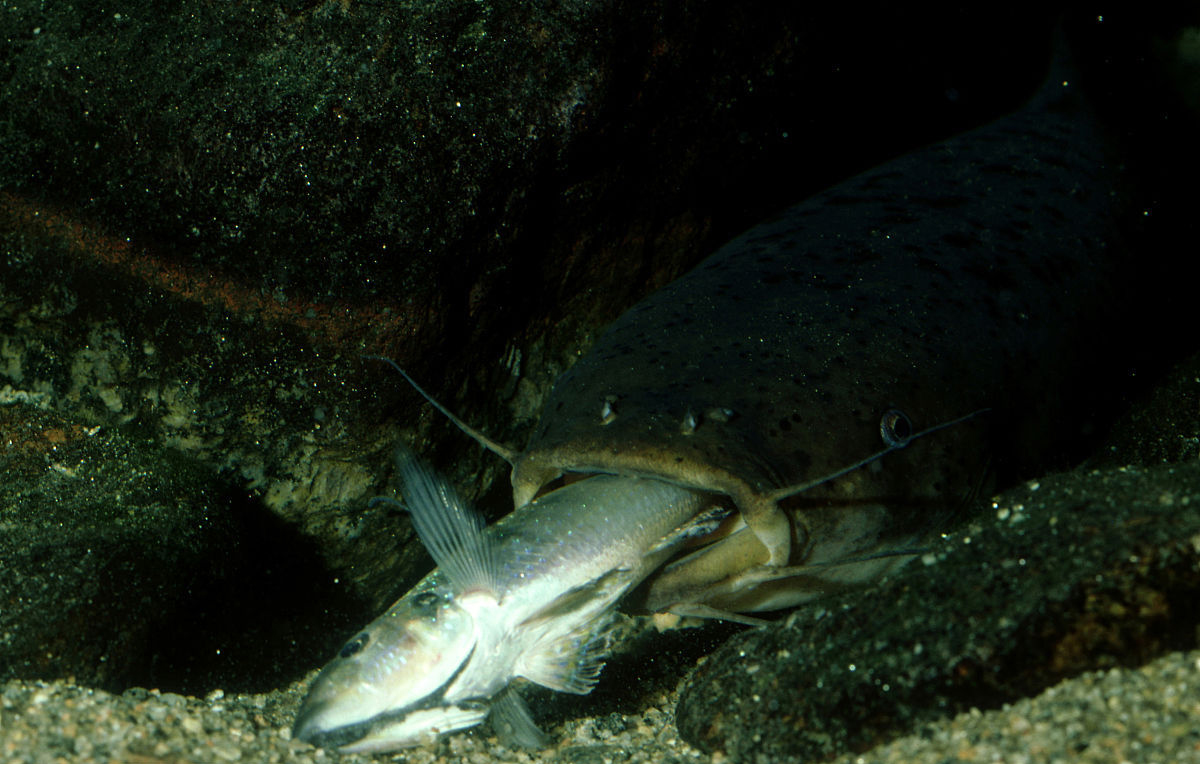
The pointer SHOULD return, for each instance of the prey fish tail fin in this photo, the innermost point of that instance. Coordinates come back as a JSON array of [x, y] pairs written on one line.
[[499, 449], [451, 531]]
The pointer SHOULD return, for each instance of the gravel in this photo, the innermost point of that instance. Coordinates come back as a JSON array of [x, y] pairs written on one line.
[[1148, 714]]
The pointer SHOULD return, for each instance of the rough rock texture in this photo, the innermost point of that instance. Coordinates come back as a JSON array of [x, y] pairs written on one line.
[[1072, 572], [352, 150], [126, 563], [1164, 428], [1144, 713], [100, 548], [208, 211], [207, 214]]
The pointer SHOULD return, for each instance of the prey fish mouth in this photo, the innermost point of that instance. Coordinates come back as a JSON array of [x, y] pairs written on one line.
[[348, 737], [356, 737]]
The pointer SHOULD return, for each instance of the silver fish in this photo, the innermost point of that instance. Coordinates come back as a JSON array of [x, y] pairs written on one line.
[[530, 597]]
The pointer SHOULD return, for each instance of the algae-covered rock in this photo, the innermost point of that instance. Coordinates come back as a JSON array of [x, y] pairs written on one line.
[[123, 562], [1071, 572]]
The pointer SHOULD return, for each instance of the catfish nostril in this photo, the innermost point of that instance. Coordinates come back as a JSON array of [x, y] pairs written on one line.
[[895, 428]]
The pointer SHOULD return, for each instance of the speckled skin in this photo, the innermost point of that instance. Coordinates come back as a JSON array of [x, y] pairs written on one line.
[[956, 278]]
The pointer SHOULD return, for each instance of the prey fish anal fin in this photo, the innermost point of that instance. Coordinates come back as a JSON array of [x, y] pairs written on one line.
[[449, 529]]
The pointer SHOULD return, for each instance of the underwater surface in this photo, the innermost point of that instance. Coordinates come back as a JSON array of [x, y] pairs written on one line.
[[210, 214]]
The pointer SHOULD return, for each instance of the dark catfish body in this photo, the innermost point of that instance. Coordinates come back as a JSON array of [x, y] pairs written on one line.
[[960, 277]]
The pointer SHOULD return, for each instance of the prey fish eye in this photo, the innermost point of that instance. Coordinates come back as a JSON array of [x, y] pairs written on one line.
[[426, 600], [354, 646]]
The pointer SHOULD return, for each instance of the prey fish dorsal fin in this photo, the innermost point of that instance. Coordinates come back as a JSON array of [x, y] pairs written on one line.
[[499, 449], [451, 531]]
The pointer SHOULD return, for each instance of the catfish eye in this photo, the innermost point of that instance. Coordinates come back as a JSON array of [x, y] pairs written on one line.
[[895, 428], [354, 646]]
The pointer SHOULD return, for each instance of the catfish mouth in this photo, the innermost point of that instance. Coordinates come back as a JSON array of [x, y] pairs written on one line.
[[569, 476], [565, 479]]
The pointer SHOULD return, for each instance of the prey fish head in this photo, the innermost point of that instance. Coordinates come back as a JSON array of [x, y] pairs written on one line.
[[385, 687]]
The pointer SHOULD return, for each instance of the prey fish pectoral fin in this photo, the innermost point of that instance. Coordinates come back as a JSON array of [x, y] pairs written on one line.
[[571, 664], [572, 661]]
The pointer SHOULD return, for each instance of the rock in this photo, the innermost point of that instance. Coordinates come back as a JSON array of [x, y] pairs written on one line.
[[128, 563], [103, 540], [1078, 571], [209, 214], [1120, 715]]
